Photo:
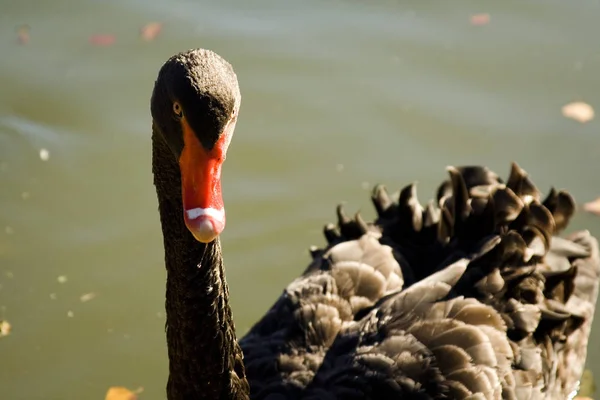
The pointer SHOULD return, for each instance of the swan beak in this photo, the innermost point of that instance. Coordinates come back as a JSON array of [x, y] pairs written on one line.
[[203, 210]]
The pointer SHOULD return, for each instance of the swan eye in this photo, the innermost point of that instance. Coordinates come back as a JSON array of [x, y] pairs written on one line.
[[177, 110]]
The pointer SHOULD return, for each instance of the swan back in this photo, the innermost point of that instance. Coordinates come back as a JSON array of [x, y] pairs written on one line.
[[474, 296]]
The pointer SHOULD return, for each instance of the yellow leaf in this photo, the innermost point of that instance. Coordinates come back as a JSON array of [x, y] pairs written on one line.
[[4, 328], [579, 111], [122, 393]]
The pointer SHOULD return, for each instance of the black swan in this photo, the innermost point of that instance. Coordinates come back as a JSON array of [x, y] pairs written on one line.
[[472, 297]]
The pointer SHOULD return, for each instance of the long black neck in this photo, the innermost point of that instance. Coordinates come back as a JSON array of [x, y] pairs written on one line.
[[205, 361]]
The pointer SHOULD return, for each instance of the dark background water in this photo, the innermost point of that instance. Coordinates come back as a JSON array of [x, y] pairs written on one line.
[[337, 96]]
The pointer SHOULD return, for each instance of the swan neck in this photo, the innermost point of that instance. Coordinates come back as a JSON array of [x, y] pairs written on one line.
[[205, 360]]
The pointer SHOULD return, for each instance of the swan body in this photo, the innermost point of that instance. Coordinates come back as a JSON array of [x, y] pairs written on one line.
[[475, 296]]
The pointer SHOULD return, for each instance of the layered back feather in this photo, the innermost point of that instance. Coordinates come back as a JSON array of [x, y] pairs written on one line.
[[474, 296]]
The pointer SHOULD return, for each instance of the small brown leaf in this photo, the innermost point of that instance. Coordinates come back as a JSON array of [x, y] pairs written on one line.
[[4, 328], [87, 297], [23, 34], [150, 31], [480, 19], [103, 40], [122, 393], [579, 111], [593, 206]]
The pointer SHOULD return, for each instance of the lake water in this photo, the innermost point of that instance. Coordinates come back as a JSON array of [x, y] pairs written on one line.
[[337, 96]]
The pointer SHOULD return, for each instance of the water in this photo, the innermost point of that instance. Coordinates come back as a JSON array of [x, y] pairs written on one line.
[[337, 95]]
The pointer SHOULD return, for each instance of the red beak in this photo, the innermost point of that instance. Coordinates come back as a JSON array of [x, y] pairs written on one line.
[[203, 209]]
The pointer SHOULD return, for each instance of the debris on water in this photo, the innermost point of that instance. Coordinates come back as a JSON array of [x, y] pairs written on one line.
[[480, 19], [122, 393], [339, 167], [5, 328], [150, 31], [87, 297], [62, 279], [53, 296], [578, 111], [23, 34], [70, 314], [44, 154], [103, 40], [592, 207]]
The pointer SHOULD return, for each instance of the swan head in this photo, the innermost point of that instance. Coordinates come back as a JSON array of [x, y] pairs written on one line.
[[194, 106]]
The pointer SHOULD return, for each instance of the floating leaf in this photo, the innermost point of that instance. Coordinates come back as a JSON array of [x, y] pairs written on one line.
[[23, 34], [150, 31], [44, 154], [4, 328], [592, 207], [579, 111], [62, 279], [87, 297], [103, 40], [122, 393], [480, 19]]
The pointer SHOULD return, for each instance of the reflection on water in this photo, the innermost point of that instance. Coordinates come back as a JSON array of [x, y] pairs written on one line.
[[337, 96]]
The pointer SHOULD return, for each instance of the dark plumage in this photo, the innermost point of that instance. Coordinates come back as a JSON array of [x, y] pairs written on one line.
[[474, 296]]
